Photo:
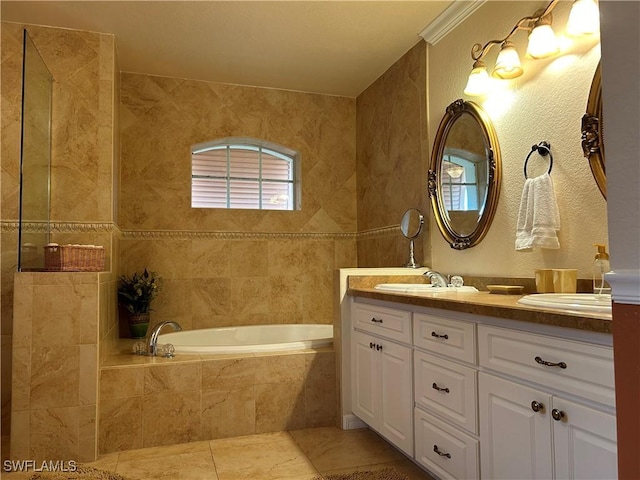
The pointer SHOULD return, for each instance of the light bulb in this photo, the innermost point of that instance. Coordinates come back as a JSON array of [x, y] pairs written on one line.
[[478, 83], [508, 62], [584, 18], [542, 42]]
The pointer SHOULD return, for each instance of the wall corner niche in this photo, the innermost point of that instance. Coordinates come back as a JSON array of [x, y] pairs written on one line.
[[464, 174]]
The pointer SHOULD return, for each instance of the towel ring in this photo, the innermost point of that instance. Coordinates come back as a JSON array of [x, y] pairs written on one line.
[[544, 149]]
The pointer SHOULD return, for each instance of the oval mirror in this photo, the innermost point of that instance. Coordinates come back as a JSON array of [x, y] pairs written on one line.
[[465, 174], [593, 132]]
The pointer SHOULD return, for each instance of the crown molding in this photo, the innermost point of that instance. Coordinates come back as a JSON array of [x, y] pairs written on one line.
[[449, 19]]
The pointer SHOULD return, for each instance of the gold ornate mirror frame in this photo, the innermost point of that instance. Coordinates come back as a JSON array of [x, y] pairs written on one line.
[[460, 240], [593, 131]]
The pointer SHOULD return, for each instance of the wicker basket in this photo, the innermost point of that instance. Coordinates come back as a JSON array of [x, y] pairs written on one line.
[[73, 258]]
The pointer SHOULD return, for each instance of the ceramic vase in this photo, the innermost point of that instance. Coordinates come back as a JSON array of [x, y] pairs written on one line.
[[138, 324]]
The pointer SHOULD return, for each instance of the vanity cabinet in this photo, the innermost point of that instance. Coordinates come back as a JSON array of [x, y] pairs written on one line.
[[545, 407], [471, 396], [381, 375]]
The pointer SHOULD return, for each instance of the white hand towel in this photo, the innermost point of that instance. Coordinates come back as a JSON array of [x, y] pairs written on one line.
[[538, 217]]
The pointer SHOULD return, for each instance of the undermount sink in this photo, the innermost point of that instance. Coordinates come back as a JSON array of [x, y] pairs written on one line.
[[581, 302], [423, 288]]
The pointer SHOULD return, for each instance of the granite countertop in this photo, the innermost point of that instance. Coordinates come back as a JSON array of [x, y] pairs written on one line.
[[480, 303]]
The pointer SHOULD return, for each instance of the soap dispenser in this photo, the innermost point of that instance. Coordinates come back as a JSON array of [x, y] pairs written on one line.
[[600, 267]]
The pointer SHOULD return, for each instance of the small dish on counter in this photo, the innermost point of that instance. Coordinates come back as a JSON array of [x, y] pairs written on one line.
[[506, 289]]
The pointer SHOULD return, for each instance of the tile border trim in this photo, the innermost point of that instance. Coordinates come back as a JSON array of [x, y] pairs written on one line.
[[105, 227]]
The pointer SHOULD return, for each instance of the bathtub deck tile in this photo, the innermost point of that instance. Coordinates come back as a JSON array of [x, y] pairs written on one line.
[[228, 412]]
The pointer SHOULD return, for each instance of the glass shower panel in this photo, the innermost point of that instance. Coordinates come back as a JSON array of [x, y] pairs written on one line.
[[35, 159]]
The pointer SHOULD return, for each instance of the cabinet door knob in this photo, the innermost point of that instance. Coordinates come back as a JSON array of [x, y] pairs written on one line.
[[435, 335], [550, 364], [442, 454], [376, 320], [557, 414], [440, 389], [537, 406]]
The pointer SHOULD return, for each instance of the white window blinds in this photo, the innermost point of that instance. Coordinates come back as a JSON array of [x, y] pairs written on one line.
[[234, 175]]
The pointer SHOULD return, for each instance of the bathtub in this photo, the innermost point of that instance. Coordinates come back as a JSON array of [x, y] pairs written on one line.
[[249, 339]]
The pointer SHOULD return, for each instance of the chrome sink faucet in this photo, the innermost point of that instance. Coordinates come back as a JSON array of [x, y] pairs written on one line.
[[437, 279], [152, 340]]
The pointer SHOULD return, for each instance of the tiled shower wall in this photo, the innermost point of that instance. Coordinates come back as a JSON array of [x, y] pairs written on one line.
[[84, 181], [235, 267], [392, 161]]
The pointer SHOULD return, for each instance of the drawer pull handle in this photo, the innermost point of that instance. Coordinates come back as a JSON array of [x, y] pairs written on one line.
[[371, 344], [376, 320], [378, 347], [440, 389], [537, 406], [557, 414], [550, 364], [445, 336], [442, 454]]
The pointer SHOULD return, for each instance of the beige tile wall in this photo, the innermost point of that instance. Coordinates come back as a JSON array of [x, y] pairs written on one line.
[[393, 160], [207, 398], [235, 267], [83, 148], [55, 365]]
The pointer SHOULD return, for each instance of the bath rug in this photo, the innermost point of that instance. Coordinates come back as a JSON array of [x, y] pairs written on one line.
[[82, 473], [384, 474]]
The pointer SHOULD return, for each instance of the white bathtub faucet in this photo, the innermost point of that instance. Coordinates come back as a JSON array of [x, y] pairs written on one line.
[[152, 341]]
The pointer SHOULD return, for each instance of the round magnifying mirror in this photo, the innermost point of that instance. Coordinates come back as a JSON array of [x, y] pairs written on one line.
[[411, 226]]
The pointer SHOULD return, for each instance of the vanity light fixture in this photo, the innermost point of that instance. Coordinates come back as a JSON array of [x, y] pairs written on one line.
[[583, 19]]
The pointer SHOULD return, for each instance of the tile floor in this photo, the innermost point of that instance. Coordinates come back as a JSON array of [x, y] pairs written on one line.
[[295, 455]]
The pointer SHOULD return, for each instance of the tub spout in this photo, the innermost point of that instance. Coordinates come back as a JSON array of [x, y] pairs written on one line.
[[152, 340]]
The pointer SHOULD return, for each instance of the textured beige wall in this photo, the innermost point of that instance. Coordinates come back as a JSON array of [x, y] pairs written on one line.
[[546, 103], [392, 156], [229, 267]]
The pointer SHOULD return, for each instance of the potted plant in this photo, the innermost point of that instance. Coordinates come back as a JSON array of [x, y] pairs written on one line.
[[135, 294]]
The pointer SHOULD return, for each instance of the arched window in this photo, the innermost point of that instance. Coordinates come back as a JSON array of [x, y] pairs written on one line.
[[244, 173]]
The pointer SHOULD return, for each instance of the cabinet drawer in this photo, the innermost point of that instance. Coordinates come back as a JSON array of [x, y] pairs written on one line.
[[453, 338], [387, 322], [447, 389], [458, 452], [578, 368]]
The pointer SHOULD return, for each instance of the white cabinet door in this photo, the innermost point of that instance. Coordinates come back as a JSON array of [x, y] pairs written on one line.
[[364, 380], [396, 404], [382, 388], [584, 442], [515, 440]]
